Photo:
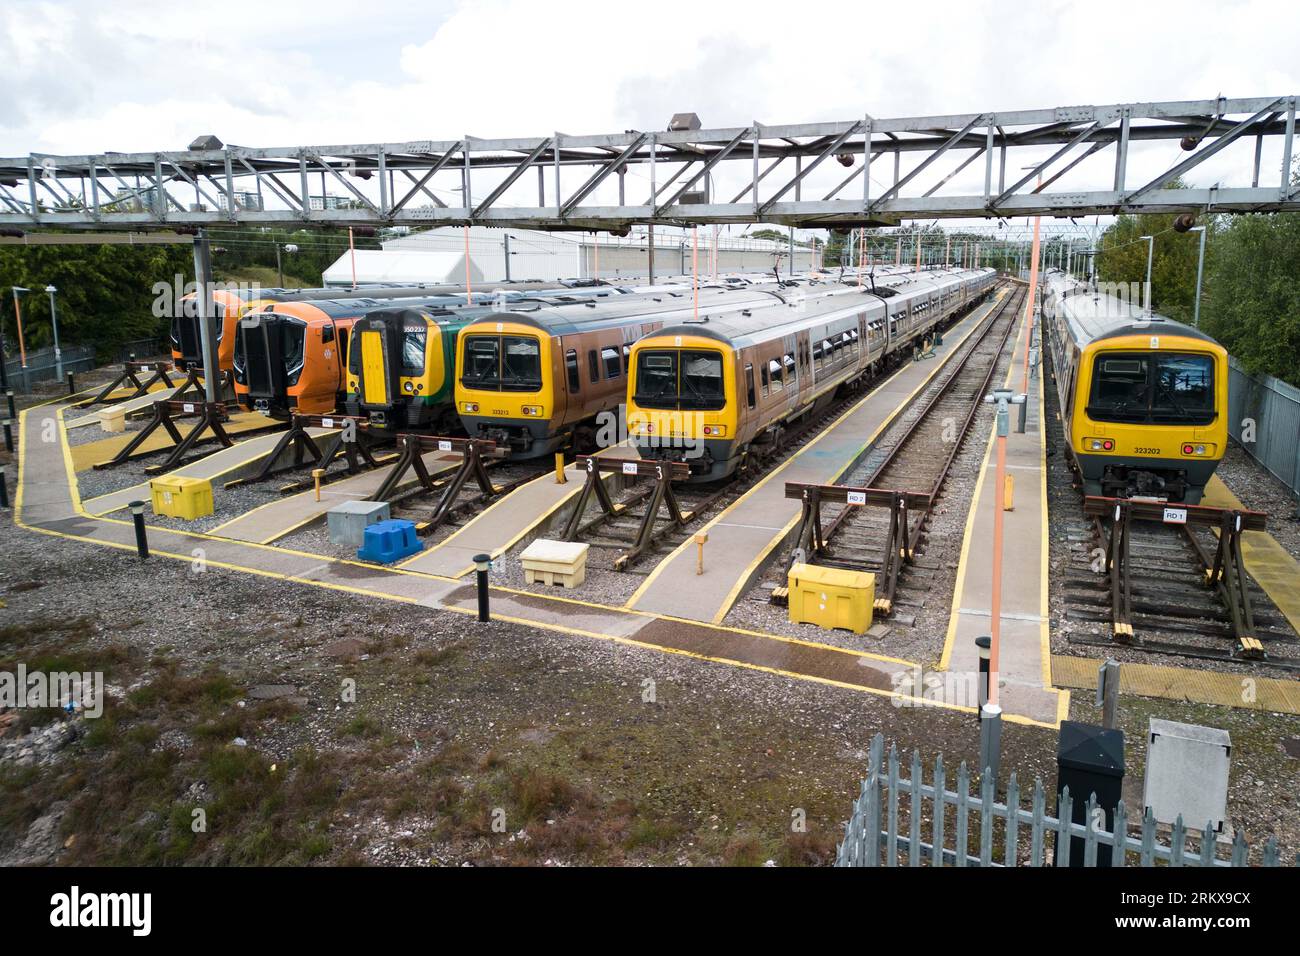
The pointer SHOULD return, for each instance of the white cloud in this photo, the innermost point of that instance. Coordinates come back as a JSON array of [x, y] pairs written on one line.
[[152, 74]]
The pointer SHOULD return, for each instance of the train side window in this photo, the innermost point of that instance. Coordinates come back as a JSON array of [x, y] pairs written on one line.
[[763, 377], [327, 334], [613, 364], [776, 374], [593, 365], [749, 384], [571, 367], [627, 359], [790, 368]]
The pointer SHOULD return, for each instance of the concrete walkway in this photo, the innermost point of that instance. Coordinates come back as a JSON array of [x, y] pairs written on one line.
[[1025, 677], [1274, 568], [240, 459], [47, 503], [277, 518], [529, 509], [141, 402]]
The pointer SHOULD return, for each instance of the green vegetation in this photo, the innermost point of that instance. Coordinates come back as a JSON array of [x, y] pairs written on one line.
[[1250, 297], [106, 292]]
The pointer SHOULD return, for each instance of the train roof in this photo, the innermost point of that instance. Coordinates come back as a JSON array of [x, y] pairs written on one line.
[[404, 312], [355, 308], [744, 329], [1091, 316], [556, 317]]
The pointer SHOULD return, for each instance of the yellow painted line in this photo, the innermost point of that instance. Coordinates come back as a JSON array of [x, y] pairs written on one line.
[[753, 565], [1276, 695], [388, 596], [208, 536], [796, 675], [1044, 626], [1275, 569], [96, 451], [540, 519], [816, 645]]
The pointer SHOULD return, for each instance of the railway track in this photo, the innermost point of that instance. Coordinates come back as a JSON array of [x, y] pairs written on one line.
[[619, 532], [908, 472], [1165, 599]]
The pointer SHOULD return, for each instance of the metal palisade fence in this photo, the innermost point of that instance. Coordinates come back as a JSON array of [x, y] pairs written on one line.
[[41, 366], [1264, 417], [903, 821]]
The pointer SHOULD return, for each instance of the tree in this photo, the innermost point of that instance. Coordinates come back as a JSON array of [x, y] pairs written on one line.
[[1122, 257], [1254, 310], [105, 292]]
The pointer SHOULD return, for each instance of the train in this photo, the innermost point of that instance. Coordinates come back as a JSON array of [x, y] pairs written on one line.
[[291, 356], [1143, 398], [232, 304], [709, 393], [535, 378]]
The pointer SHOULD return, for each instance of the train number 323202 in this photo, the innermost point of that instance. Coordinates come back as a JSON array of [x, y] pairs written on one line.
[[1146, 451]]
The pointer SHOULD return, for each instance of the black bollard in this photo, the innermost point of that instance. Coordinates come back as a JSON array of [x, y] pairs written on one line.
[[72, 388], [13, 411], [482, 562], [141, 541], [985, 645], [9, 435], [4, 488]]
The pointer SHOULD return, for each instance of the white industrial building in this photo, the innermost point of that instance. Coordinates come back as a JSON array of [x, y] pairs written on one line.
[[498, 255]]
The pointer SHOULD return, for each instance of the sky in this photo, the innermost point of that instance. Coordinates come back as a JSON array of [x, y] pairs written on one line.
[[144, 75]]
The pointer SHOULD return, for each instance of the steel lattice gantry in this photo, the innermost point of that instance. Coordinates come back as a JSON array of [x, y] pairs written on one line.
[[754, 173]]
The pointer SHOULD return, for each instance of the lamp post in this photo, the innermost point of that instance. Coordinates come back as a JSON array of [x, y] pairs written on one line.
[[1151, 249], [54, 321], [1200, 268], [288, 247]]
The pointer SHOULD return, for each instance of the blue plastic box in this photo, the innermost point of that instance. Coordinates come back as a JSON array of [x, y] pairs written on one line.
[[389, 541]]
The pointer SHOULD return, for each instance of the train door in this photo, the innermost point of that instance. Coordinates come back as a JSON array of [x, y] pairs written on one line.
[[805, 372]]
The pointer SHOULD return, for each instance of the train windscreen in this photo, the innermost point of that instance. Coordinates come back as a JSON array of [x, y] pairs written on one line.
[[679, 379], [511, 363], [1153, 388]]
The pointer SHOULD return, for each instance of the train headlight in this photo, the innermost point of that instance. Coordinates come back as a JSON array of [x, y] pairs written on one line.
[[714, 431], [1190, 449], [408, 387], [469, 407], [1099, 444], [533, 410]]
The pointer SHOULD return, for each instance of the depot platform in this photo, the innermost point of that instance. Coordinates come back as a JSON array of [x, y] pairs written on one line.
[[243, 457], [528, 510], [1271, 565], [276, 519], [48, 502], [751, 530], [130, 406], [1025, 673]]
